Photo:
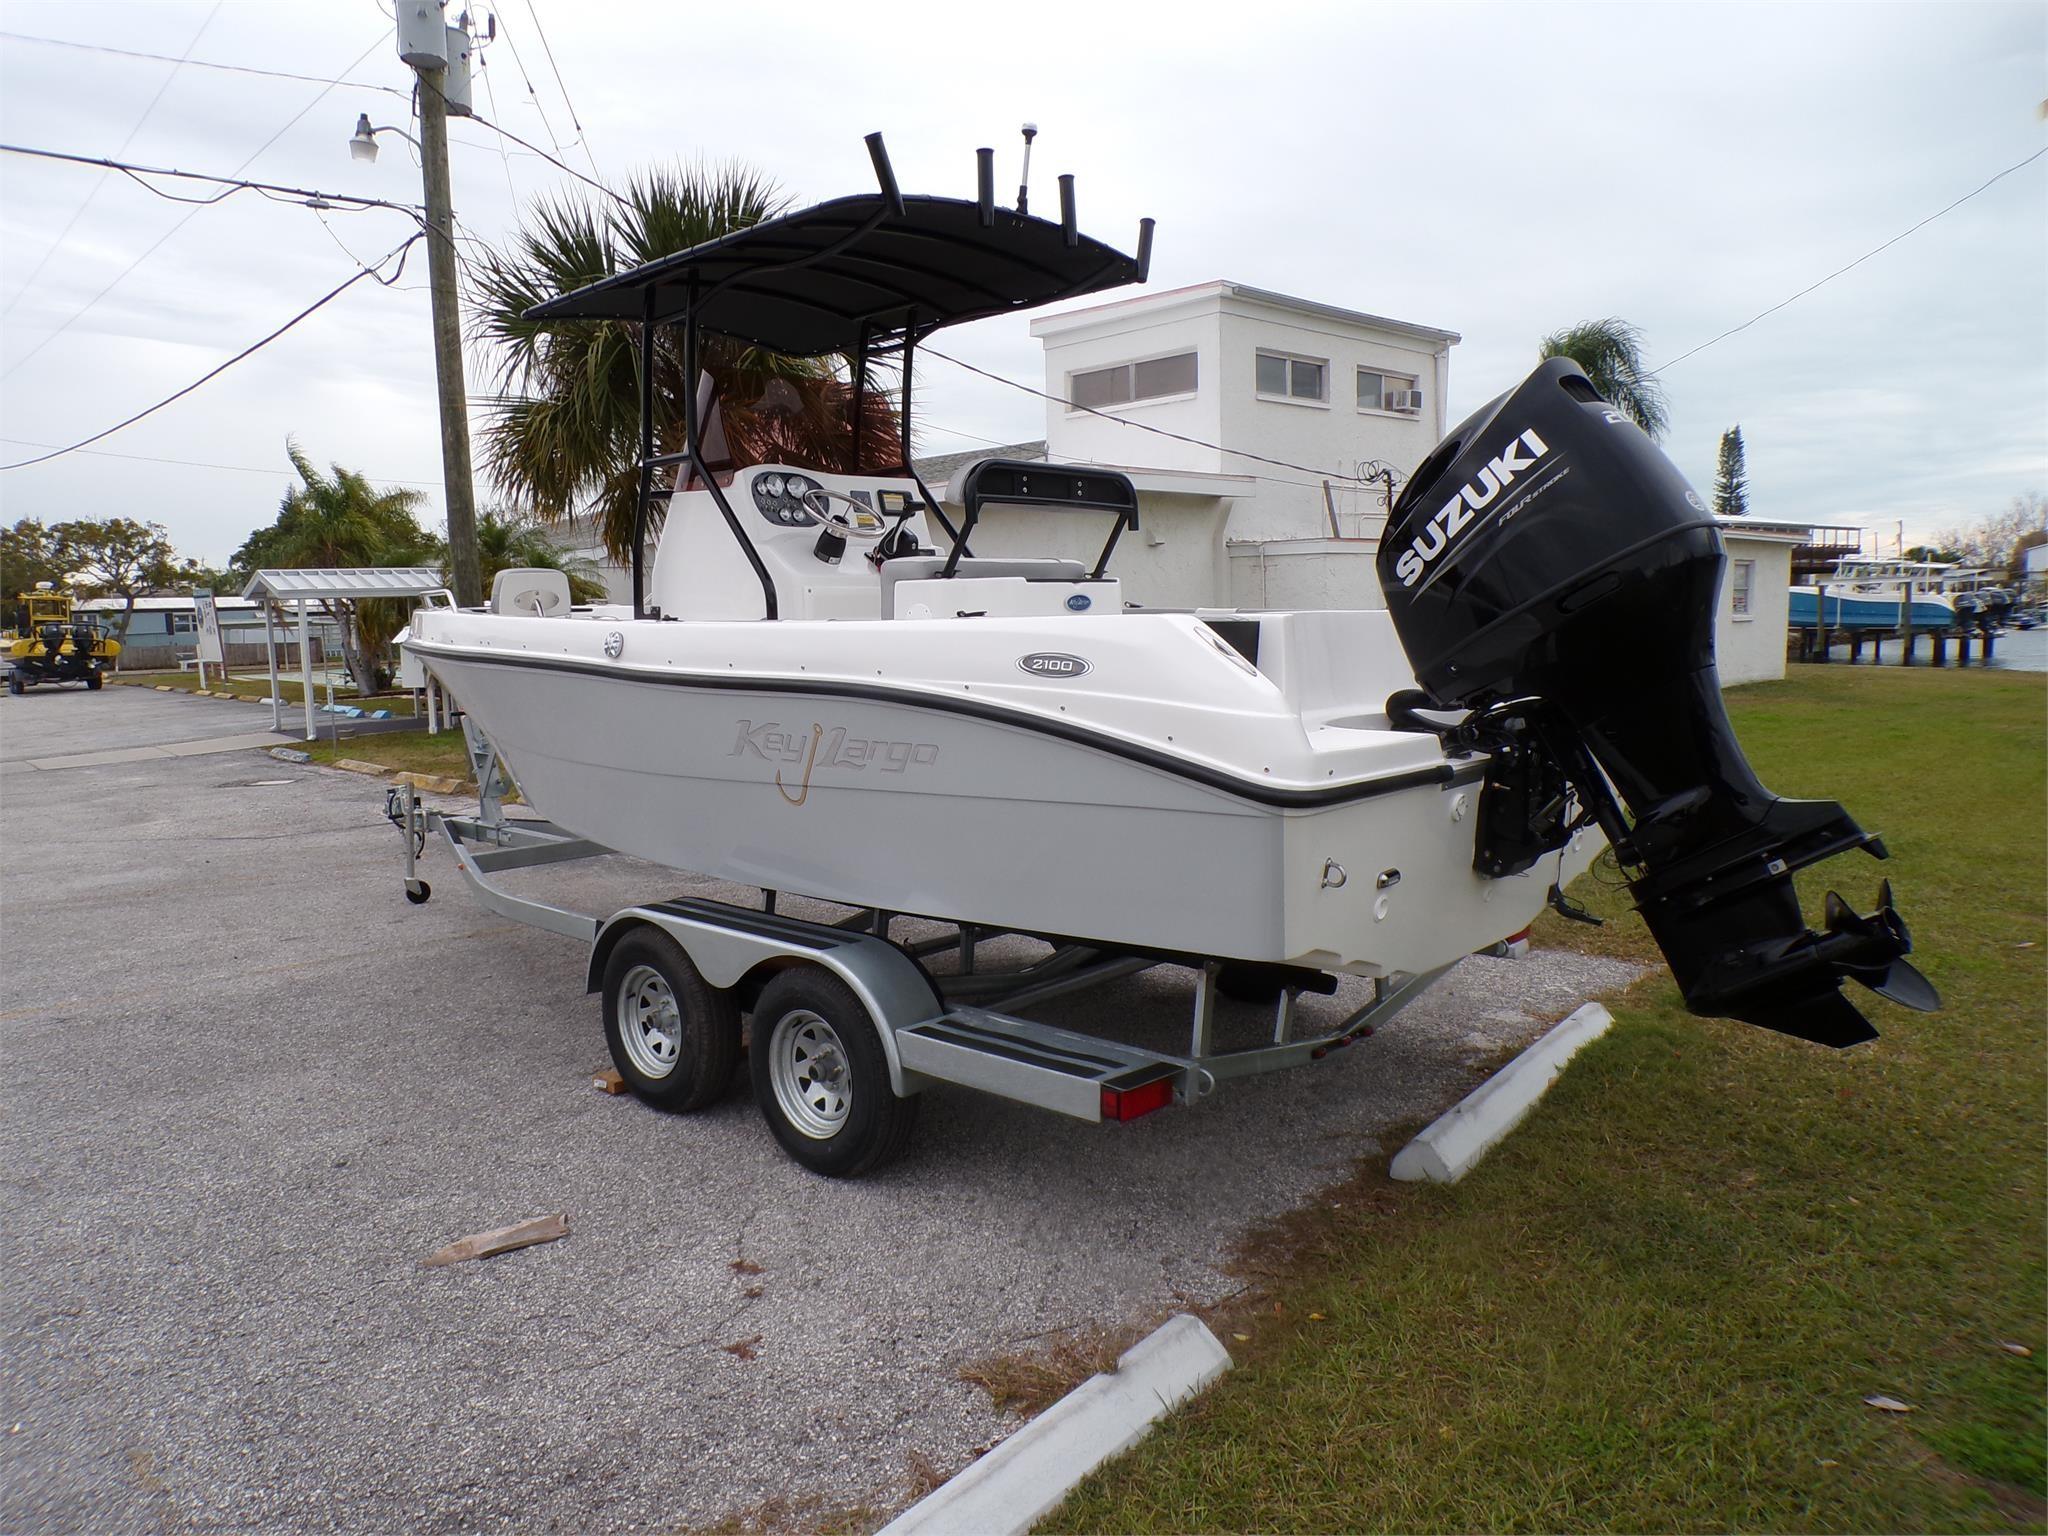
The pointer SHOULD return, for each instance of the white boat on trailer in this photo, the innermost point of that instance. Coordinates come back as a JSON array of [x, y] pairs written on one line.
[[821, 690]]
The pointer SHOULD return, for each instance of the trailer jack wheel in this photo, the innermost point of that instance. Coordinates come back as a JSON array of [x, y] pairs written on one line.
[[821, 1076], [417, 892], [673, 1036]]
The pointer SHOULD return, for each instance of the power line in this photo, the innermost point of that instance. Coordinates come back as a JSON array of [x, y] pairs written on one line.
[[328, 297], [241, 469], [78, 212], [19, 363], [484, 73], [582, 136], [551, 159], [1895, 239], [230, 184], [1368, 469], [532, 95], [165, 58]]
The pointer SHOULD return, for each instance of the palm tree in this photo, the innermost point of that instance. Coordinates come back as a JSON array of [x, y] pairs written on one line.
[[514, 539], [1610, 354], [340, 519], [565, 430]]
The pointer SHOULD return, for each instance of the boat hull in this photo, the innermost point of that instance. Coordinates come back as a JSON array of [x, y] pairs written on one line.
[[1805, 608], [913, 805]]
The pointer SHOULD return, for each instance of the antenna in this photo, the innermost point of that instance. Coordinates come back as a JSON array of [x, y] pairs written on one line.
[[1024, 179]]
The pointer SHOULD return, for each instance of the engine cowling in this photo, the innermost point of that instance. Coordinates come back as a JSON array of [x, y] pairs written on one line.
[[1549, 570]]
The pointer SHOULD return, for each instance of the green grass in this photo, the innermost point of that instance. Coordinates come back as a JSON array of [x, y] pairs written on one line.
[[405, 751], [1660, 1304], [259, 688]]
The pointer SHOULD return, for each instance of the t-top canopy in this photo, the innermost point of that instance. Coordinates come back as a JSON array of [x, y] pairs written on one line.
[[873, 268]]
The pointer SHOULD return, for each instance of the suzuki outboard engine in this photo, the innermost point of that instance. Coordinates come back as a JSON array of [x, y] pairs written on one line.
[[1550, 571]]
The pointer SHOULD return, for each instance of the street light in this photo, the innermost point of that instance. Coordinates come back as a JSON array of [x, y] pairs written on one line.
[[363, 146]]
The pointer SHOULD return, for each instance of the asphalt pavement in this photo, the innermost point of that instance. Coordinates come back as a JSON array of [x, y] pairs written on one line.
[[248, 1087]]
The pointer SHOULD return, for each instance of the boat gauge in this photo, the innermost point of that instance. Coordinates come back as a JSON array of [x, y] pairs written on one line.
[[771, 484]]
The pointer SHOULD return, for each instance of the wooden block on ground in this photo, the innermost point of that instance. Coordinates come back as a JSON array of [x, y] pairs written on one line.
[[433, 782], [609, 1081], [357, 765], [481, 1245]]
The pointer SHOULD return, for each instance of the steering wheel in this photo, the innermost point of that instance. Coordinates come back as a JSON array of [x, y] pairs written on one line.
[[818, 502]]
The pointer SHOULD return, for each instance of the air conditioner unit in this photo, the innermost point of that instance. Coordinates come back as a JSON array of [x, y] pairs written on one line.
[[1404, 400]]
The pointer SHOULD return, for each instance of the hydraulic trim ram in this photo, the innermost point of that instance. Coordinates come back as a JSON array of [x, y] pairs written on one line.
[[1550, 571]]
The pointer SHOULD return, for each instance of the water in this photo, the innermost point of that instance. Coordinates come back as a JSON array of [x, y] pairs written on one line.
[[2016, 650]]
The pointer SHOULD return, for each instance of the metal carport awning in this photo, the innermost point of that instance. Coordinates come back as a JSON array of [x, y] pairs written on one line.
[[330, 585]]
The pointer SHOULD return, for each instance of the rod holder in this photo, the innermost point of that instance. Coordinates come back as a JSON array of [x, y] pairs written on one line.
[[1144, 249], [985, 185], [1070, 229], [885, 175]]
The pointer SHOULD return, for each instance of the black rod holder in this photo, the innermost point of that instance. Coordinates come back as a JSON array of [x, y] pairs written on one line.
[[1144, 249], [885, 176], [1070, 228], [985, 185]]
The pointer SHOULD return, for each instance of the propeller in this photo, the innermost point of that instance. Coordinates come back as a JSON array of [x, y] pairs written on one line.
[[1873, 949]]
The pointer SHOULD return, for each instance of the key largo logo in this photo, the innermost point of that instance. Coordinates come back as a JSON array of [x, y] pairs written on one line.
[[830, 748]]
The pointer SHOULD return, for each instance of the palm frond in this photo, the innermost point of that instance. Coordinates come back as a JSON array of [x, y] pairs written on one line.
[[1609, 352]]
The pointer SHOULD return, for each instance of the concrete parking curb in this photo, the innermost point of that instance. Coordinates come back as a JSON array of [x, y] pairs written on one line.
[[1010, 1489], [1456, 1140]]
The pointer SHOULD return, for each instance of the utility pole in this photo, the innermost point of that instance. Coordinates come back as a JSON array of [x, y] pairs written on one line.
[[457, 485], [439, 55]]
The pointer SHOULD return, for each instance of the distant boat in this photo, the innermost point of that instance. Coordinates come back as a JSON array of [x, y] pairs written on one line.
[[1868, 594], [1980, 601]]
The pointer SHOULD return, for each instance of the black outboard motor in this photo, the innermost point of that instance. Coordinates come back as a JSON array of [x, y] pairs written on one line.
[[1549, 570]]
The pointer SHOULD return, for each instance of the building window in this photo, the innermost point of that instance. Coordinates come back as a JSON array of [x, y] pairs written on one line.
[[1284, 377], [184, 623], [1742, 575], [1156, 378], [1379, 391]]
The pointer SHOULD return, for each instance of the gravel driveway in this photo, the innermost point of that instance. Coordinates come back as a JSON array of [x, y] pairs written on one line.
[[248, 1087]]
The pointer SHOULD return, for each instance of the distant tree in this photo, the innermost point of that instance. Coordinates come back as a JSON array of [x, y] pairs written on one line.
[[340, 519], [198, 576], [1610, 352], [28, 555], [508, 540], [1934, 554], [1990, 540], [1731, 477], [116, 558]]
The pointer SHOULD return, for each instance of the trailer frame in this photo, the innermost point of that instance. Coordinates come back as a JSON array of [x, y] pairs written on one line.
[[962, 1028]]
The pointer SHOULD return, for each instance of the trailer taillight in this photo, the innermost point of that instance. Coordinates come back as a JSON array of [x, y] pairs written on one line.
[[1129, 1103]]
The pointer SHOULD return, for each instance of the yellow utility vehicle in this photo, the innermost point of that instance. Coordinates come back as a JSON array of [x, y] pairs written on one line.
[[57, 645]]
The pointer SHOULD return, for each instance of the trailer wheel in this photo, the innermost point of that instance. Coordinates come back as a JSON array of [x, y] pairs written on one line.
[[822, 1078], [92, 682], [14, 685], [673, 1036]]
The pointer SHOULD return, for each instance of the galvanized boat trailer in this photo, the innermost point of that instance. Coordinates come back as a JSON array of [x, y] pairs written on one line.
[[849, 1026]]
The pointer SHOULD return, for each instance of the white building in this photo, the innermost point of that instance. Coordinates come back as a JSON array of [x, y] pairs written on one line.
[[1754, 607], [1314, 395]]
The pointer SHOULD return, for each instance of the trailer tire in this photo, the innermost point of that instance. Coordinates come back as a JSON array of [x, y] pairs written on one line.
[[14, 685], [673, 1036], [92, 682], [821, 1076]]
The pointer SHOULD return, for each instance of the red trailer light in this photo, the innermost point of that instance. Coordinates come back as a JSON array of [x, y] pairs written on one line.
[[1129, 1103]]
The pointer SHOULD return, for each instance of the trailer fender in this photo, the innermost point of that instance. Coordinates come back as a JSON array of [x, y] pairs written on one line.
[[728, 945]]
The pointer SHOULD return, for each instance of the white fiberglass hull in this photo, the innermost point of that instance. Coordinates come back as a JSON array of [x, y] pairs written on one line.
[[1001, 809]]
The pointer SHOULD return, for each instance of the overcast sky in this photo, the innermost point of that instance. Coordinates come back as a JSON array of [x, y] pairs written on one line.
[[1500, 171]]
